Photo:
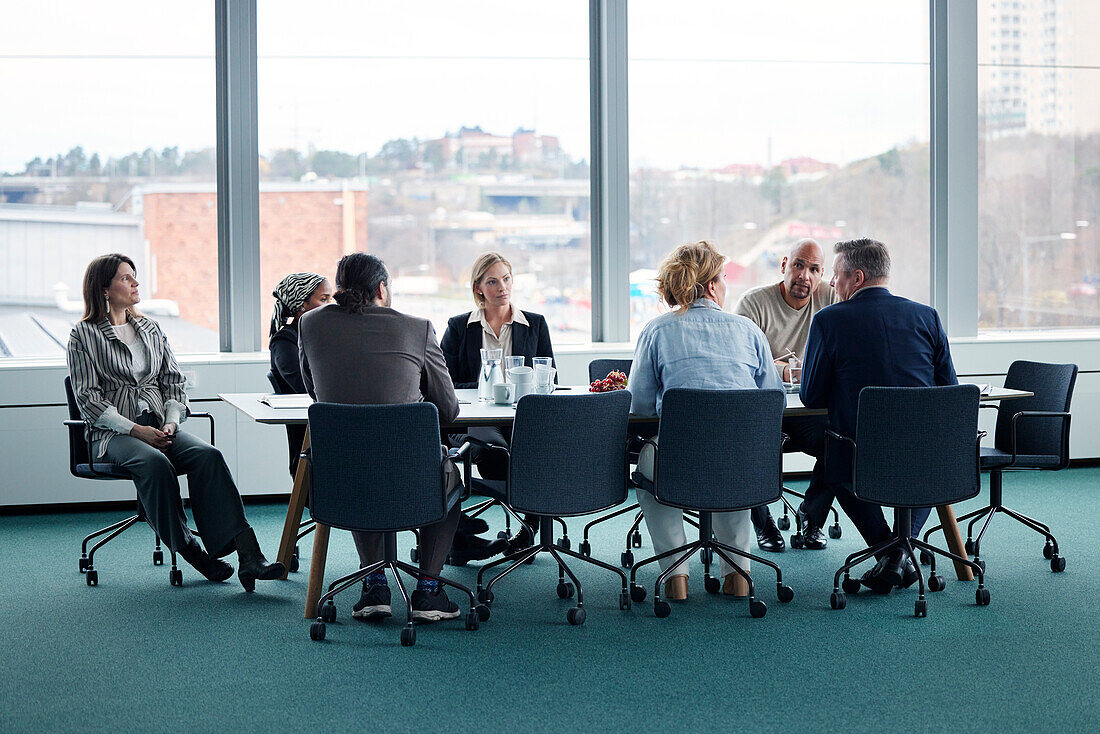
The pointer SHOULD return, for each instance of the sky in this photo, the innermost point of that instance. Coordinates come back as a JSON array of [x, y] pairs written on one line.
[[711, 82]]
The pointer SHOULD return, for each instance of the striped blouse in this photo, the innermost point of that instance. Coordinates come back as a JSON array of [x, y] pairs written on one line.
[[102, 372]]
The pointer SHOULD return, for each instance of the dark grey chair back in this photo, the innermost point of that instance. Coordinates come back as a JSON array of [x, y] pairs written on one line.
[[1053, 388], [568, 453], [79, 450], [917, 446], [600, 368], [720, 450], [376, 468]]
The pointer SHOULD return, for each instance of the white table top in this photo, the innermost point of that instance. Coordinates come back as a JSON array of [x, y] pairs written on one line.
[[472, 412]]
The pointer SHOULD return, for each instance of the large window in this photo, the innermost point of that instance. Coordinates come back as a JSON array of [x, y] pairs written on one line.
[[1039, 165], [107, 146], [429, 133], [756, 124]]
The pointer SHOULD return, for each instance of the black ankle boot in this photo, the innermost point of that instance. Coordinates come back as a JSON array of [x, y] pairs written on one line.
[[212, 568], [252, 563]]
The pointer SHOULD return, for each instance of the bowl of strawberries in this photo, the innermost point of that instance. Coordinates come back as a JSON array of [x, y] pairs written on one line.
[[615, 380]]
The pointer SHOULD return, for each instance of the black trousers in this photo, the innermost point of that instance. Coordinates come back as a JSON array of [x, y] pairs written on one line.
[[869, 519], [806, 433]]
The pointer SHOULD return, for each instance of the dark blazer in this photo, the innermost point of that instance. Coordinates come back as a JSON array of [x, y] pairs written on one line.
[[379, 357], [285, 365], [462, 345], [873, 339]]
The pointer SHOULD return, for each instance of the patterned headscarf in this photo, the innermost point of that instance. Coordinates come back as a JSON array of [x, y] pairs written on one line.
[[291, 293]]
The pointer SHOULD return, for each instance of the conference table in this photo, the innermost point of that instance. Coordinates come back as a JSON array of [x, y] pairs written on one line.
[[473, 412]]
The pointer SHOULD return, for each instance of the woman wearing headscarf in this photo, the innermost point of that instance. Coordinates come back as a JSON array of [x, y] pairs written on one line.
[[295, 295]]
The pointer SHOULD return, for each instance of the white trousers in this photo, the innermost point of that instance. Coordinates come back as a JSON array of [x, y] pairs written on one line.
[[666, 524]]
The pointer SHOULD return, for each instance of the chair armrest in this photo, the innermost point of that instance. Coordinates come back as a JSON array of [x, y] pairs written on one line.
[[87, 428], [1031, 414], [487, 445], [208, 417], [461, 453], [831, 434]]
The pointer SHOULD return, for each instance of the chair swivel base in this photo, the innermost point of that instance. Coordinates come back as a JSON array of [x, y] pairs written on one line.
[[326, 607], [838, 599], [565, 589], [707, 547], [973, 545], [86, 564]]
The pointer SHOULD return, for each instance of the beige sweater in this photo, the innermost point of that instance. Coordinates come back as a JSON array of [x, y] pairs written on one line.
[[784, 327]]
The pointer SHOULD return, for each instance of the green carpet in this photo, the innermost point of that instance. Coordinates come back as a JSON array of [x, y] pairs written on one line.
[[135, 654]]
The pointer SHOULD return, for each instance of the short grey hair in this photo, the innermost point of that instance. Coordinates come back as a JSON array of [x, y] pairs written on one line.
[[866, 254]]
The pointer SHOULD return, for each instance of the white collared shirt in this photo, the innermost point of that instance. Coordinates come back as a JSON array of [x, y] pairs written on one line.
[[502, 341]]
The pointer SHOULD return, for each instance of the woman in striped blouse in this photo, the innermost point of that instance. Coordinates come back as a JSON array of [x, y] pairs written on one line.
[[129, 387]]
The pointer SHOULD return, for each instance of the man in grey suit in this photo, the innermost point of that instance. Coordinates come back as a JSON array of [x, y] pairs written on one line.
[[361, 351]]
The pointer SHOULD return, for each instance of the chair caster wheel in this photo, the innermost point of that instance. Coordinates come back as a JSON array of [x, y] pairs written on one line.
[[757, 608], [920, 609], [294, 565], [586, 549], [706, 556], [1048, 550], [636, 539], [91, 577], [783, 523], [981, 597], [624, 600], [925, 558], [835, 531], [968, 546], [408, 636], [785, 593], [1057, 563], [837, 600], [626, 560], [483, 612], [565, 590], [158, 558], [575, 616], [485, 596], [83, 564], [175, 577], [317, 631], [563, 543], [473, 621], [661, 608], [850, 586], [502, 535], [711, 585], [798, 541], [414, 554], [936, 583], [637, 593], [328, 612]]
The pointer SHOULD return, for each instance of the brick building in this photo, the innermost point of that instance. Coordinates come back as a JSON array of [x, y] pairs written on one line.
[[303, 227]]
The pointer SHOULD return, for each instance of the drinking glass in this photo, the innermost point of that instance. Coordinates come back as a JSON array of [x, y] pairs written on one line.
[[544, 379], [544, 361], [509, 363]]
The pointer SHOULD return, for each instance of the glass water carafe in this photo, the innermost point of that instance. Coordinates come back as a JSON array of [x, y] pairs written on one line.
[[491, 373]]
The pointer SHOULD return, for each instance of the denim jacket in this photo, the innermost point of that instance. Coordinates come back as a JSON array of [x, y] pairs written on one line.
[[700, 347]]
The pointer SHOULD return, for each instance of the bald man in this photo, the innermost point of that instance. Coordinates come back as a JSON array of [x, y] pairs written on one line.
[[783, 311]]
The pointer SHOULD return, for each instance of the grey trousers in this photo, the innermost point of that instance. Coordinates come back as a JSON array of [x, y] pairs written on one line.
[[215, 501]]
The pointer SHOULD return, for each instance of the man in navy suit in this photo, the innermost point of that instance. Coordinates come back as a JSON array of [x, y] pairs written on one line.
[[870, 338]]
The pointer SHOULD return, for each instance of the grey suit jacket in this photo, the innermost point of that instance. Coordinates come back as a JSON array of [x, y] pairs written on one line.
[[379, 357]]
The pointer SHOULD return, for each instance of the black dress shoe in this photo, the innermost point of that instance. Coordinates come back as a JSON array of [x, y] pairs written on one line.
[[473, 548], [894, 571], [813, 538], [908, 574], [213, 569], [769, 538], [873, 579], [471, 525], [523, 539]]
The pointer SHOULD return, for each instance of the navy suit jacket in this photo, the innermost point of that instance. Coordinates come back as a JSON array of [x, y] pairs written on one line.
[[461, 345], [873, 339]]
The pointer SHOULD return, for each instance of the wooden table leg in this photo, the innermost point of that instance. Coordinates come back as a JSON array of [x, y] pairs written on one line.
[[295, 509], [317, 569], [954, 541]]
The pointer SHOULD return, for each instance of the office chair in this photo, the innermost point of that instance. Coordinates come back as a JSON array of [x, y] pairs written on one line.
[[83, 465], [597, 370], [567, 458], [914, 447], [1032, 434], [379, 469], [736, 464], [295, 435]]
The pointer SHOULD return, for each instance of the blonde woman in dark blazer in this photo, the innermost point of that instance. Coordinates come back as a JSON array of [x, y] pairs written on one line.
[[128, 385]]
